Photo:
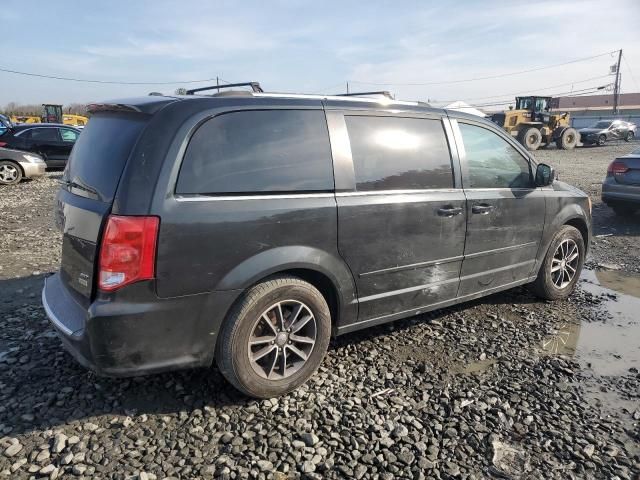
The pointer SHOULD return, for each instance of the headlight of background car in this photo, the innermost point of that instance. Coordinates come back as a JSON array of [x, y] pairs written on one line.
[[32, 159]]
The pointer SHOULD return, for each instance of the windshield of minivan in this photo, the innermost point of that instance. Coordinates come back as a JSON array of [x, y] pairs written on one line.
[[602, 125]]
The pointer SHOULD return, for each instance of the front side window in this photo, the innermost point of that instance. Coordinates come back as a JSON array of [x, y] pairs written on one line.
[[393, 153], [491, 161], [68, 135], [259, 152], [45, 134]]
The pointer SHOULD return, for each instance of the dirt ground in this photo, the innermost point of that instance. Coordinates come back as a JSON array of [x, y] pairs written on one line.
[[502, 387]]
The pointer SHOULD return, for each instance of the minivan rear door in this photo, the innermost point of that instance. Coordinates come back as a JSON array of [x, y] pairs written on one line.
[[401, 213], [87, 190]]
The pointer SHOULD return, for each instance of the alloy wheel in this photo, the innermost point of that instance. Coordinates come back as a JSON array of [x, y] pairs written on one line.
[[282, 339], [8, 173], [564, 264]]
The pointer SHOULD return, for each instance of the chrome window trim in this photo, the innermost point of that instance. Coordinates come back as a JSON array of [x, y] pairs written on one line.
[[398, 192], [266, 196]]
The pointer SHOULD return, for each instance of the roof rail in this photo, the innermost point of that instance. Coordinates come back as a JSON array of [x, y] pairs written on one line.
[[255, 86], [359, 94]]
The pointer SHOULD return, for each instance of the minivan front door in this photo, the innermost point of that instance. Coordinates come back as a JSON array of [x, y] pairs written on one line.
[[401, 219], [505, 211]]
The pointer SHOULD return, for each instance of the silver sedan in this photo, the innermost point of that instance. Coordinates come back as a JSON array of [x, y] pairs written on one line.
[[16, 165]]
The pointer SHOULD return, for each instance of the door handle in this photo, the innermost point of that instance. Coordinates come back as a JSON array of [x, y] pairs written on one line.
[[482, 209], [449, 211]]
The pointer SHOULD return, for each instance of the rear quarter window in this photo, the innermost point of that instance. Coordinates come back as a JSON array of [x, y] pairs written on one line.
[[262, 151]]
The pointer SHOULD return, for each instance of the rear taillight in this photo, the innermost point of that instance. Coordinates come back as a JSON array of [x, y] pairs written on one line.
[[617, 167], [127, 251], [3, 144]]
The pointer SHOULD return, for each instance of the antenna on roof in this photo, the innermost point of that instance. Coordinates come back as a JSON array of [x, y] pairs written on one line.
[[255, 86], [386, 93]]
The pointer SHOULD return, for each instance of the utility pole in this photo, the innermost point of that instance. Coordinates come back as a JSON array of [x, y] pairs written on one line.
[[347, 87], [616, 86]]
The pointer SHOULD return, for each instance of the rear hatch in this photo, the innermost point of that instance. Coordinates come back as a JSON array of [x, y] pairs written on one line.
[[87, 190], [632, 175]]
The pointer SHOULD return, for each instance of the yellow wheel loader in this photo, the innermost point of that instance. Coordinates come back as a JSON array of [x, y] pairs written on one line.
[[533, 124]]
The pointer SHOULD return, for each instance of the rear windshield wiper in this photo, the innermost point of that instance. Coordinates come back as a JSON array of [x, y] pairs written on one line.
[[79, 186]]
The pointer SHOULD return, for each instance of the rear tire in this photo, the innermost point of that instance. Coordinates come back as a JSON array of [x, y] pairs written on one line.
[[602, 139], [530, 137], [629, 136], [560, 269], [262, 348], [10, 173], [568, 140]]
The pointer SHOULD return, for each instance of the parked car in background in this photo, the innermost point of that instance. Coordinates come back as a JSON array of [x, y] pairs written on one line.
[[606, 130], [52, 141], [621, 187], [265, 223], [16, 165]]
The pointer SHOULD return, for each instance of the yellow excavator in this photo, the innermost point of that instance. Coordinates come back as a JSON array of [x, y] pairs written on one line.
[[534, 125]]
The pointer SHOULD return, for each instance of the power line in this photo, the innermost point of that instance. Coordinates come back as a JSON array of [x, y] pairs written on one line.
[[70, 79], [523, 92], [574, 93], [535, 69]]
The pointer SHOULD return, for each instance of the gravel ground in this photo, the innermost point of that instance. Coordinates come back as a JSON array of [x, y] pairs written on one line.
[[489, 389]]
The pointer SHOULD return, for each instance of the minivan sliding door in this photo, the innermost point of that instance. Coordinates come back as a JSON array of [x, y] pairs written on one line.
[[401, 219]]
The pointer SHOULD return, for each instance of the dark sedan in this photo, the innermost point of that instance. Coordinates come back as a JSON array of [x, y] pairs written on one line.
[[606, 130], [51, 141], [621, 187]]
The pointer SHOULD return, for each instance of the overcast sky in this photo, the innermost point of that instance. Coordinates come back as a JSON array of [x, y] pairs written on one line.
[[315, 47]]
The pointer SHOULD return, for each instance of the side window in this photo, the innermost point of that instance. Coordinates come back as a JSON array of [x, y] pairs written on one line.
[[68, 135], [491, 161], [394, 153], [45, 134], [259, 151]]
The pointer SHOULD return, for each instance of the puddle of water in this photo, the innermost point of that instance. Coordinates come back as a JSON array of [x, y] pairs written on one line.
[[621, 282], [477, 367], [610, 347]]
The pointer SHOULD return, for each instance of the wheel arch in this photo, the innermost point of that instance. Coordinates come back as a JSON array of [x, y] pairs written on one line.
[[329, 274], [580, 224], [17, 164]]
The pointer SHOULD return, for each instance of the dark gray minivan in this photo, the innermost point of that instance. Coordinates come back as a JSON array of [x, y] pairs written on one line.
[[248, 228]]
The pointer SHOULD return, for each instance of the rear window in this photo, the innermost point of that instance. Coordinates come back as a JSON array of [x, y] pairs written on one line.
[[393, 153], [101, 151], [258, 152]]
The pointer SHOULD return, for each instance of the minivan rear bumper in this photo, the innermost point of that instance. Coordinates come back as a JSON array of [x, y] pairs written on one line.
[[133, 332]]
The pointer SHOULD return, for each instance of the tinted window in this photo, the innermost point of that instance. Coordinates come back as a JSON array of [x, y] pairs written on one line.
[[391, 153], [99, 155], [68, 135], [45, 134], [492, 162], [259, 151]]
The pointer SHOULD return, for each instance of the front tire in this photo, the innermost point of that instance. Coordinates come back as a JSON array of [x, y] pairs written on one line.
[[602, 139], [530, 137], [629, 136], [562, 265], [275, 337], [10, 173], [568, 140]]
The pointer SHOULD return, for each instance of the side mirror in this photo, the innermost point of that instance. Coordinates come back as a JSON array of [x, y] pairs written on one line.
[[545, 175]]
